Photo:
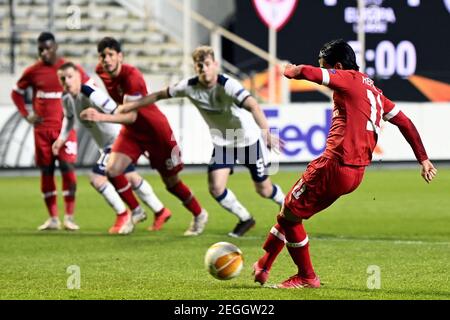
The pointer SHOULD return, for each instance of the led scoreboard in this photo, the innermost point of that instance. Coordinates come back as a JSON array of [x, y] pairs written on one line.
[[407, 48]]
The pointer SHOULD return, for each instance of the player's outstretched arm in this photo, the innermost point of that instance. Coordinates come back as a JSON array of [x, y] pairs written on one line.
[[142, 102], [410, 133], [272, 141], [292, 71], [91, 114], [428, 171], [99, 98], [314, 74]]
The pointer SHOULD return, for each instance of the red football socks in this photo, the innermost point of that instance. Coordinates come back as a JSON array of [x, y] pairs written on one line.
[[48, 188], [273, 247], [69, 182], [123, 188], [182, 192], [298, 247]]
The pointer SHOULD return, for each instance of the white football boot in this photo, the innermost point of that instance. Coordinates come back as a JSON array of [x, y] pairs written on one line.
[[198, 224], [69, 223], [138, 215], [50, 224]]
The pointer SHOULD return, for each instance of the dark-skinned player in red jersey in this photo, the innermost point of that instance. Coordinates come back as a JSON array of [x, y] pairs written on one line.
[[145, 132], [46, 118], [358, 109]]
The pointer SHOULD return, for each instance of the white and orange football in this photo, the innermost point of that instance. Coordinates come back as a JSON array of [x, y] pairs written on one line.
[[224, 261]]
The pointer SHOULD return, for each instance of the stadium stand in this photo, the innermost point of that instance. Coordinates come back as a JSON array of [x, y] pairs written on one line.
[[79, 24]]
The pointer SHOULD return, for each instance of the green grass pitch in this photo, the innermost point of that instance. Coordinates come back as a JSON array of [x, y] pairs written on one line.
[[394, 220]]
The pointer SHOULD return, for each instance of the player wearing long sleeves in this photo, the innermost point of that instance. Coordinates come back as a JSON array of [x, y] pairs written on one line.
[[146, 132], [238, 128], [46, 120], [358, 109], [82, 96]]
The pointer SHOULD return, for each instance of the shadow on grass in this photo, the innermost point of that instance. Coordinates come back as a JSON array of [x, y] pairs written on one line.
[[167, 236]]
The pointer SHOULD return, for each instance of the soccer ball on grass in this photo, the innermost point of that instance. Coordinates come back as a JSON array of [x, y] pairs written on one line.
[[224, 260]]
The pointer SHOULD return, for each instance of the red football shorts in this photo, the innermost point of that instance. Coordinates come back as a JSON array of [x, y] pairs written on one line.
[[43, 141], [164, 155], [323, 182]]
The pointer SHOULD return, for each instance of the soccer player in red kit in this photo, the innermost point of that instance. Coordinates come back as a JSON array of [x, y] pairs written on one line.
[[46, 119], [358, 109], [146, 131]]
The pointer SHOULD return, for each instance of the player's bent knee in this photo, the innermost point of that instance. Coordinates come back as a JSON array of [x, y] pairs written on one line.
[[287, 214], [113, 171], [216, 190], [97, 181], [171, 181], [264, 189], [134, 178]]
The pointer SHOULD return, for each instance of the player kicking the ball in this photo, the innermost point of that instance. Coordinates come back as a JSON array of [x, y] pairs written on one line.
[[358, 109]]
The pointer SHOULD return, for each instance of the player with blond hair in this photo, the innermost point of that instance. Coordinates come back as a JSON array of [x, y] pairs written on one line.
[[238, 128]]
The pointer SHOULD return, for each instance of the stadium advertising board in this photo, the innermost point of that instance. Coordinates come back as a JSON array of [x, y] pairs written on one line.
[[303, 127]]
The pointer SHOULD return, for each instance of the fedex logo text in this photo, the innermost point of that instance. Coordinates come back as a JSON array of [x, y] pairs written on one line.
[[303, 135]]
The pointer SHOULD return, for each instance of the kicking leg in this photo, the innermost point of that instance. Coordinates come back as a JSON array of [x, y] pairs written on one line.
[[297, 243]]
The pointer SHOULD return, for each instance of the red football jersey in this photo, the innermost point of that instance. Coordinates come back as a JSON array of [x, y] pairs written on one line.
[[357, 112], [151, 124], [47, 92]]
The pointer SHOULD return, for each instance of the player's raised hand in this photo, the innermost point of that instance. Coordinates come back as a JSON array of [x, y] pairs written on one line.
[[428, 171], [90, 114], [291, 71], [57, 145]]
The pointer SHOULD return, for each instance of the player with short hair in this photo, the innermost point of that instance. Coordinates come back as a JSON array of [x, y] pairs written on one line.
[[358, 109], [82, 96], [238, 128], [46, 119], [144, 132]]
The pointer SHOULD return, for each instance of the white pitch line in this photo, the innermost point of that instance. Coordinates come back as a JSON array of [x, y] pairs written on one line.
[[394, 241]]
